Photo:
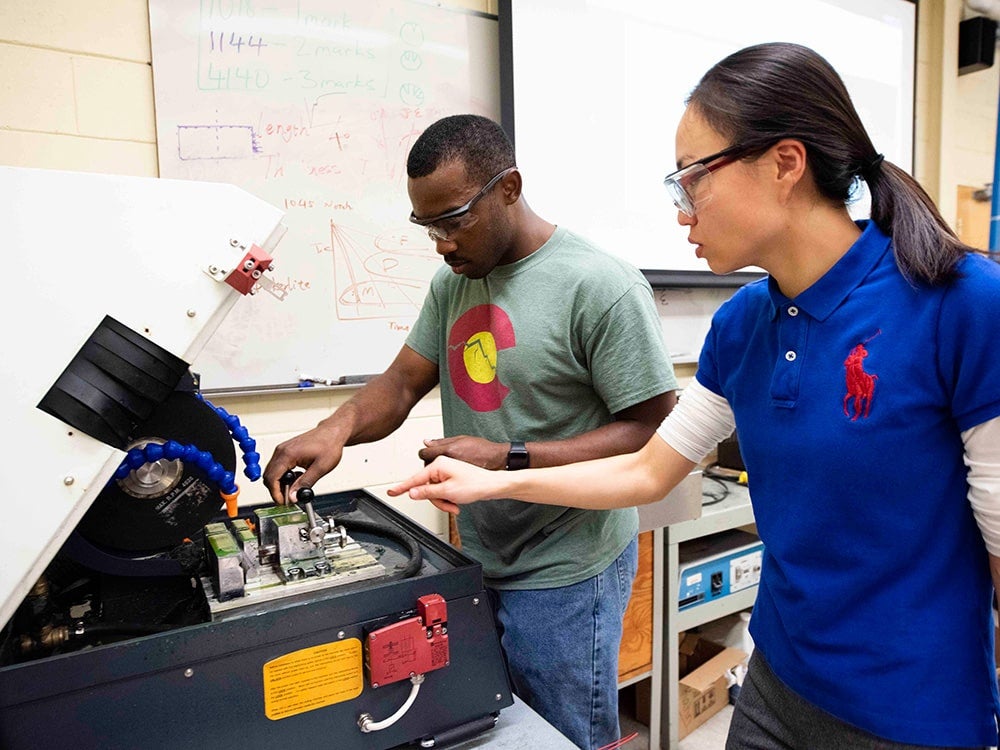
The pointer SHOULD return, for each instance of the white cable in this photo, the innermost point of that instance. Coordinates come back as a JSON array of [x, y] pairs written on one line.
[[367, 722]]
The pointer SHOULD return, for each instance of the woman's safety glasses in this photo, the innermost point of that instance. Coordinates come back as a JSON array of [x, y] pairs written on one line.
[[691, 186]]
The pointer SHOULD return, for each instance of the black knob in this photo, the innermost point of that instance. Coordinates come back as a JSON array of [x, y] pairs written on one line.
[[305, 495]]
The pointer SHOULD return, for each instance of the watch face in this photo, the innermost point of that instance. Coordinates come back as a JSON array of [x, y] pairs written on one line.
[[517, 457]]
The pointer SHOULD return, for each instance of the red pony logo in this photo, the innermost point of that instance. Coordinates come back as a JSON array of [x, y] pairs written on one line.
[[860, 384]]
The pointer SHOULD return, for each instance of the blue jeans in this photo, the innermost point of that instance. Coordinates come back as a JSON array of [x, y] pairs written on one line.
[[562, 644]]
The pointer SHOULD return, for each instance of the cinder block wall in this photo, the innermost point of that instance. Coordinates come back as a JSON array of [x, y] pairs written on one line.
[[77, 88]]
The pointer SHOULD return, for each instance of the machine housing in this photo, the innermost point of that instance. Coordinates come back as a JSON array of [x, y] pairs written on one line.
[[112, 634]]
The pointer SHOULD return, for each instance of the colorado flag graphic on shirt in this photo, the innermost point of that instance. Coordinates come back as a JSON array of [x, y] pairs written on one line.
[[473, 345]]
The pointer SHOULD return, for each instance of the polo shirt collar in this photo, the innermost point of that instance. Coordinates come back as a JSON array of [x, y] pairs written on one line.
[[847, 274]]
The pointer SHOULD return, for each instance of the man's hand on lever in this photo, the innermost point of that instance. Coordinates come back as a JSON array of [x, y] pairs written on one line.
[[318, 451]]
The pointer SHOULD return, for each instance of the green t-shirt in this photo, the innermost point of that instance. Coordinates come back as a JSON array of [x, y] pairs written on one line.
[[543, 349]]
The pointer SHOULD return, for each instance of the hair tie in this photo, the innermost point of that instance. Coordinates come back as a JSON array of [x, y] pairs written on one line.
[[868, 171]]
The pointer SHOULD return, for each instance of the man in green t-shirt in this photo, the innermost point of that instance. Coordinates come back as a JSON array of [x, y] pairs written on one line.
[[547, 351]]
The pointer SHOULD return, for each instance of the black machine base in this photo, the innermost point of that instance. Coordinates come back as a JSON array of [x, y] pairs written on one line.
[[292, 672]]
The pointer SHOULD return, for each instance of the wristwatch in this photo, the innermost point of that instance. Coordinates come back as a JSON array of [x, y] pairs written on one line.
[[517, 456]]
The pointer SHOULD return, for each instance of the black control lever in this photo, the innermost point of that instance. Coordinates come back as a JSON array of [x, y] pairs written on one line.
[[318, 528], [304, 498], [286, 481]]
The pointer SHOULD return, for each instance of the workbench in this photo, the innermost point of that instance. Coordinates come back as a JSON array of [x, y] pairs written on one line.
[[519, 727]]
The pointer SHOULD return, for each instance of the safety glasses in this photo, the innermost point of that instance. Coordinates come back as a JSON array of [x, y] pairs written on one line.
[[444, 226], [691, 186]]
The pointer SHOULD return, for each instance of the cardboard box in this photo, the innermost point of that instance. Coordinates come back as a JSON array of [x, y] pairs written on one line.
[[704, 689]]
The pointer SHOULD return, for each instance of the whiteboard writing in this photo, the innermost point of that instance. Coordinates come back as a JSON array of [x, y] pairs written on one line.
[[313, 105]]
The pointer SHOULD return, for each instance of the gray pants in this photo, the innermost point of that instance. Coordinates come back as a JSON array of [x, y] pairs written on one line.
[[769, 716]]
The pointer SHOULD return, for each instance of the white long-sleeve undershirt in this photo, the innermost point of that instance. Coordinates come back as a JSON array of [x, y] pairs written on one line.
[[703, 419], [698, 423], [982, 456]]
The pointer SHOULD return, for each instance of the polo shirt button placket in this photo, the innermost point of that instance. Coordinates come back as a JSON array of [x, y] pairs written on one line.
[[790, 338]]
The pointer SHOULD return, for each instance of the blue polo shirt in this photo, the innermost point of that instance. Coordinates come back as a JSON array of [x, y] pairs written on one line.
[[875, 596]]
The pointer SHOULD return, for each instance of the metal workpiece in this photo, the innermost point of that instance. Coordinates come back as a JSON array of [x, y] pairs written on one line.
[[225, 559], [280, 558]]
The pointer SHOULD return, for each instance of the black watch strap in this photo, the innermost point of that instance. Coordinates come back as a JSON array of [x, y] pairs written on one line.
[[517, 456]]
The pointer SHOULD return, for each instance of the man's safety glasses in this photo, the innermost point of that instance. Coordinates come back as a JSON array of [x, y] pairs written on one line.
[[691, 186], [443, 227]]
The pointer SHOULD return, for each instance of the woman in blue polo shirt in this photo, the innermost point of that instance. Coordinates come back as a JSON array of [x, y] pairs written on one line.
[[863, 379]]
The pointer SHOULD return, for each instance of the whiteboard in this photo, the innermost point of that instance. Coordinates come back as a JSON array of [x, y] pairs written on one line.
[[312, 106], [611, 77]]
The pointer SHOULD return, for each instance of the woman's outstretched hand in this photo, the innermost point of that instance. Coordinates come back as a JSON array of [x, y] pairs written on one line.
[[449, 483]]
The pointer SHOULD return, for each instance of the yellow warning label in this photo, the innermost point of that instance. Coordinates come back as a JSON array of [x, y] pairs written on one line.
[[312, 678]]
